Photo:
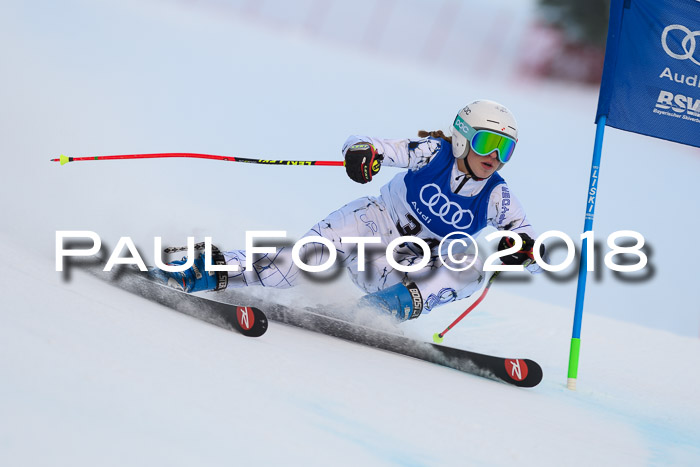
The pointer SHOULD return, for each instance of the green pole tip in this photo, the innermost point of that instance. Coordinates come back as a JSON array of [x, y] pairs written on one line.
[[64, 159], [437, 338]]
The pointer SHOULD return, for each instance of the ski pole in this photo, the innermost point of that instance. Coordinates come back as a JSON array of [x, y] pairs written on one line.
[[438, 337], [65, 159]]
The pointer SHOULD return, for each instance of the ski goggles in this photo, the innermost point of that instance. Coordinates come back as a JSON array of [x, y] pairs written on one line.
[[484, 142]]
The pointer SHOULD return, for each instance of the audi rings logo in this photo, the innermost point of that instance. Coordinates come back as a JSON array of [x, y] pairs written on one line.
[[688, 43], [440, 205]]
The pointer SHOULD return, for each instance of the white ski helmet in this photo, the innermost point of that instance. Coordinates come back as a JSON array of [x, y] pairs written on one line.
[[482, 115]]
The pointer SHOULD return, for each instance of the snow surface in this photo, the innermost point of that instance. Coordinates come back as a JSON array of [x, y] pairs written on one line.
[[90, 375]]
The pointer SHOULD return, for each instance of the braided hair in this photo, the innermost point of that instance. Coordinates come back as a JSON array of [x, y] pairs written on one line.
[[434, 134]]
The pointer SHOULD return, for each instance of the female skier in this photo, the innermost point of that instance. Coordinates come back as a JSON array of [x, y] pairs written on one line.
[[451, 186]]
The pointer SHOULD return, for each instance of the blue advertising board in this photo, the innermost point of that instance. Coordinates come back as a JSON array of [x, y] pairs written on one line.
[[651, 78]]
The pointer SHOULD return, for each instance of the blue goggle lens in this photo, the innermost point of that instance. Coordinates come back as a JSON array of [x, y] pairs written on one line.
[[484, 142]]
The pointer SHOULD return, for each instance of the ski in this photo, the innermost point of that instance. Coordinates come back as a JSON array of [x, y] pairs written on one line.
[[515, 371], [247, 320], [250, 321]]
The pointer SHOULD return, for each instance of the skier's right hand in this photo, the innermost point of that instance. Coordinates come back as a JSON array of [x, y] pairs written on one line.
[[525, 253], [362, 162]]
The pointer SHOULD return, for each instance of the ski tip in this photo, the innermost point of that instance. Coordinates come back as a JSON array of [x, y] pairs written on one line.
[[250, 321], [524, 373], [437, 338]]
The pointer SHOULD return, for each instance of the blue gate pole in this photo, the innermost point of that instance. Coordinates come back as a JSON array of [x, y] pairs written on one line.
[[583, 265]]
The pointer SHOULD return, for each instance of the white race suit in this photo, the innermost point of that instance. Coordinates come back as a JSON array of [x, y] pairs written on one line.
[[390, 216]]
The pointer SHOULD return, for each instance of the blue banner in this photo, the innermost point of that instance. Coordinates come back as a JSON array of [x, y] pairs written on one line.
[[651, 78]]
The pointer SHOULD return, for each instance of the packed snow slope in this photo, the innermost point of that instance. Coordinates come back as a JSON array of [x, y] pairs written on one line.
[[93, 376]]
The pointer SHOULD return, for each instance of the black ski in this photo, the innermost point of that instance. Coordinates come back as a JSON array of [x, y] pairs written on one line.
[[515, 371], [250, 321], [247, 320]]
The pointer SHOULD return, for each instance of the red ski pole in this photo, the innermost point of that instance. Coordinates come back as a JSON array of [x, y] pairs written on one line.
[[64, 159], [438, 337]]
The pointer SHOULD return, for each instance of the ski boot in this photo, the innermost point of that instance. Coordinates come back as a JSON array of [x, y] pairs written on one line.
[[194, 279], [402, 301]]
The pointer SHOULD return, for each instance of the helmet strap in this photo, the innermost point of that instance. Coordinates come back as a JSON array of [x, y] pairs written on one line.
[[469, 169]]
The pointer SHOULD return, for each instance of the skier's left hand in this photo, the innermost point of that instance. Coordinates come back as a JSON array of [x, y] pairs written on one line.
[[521, 255], [362, 162]]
